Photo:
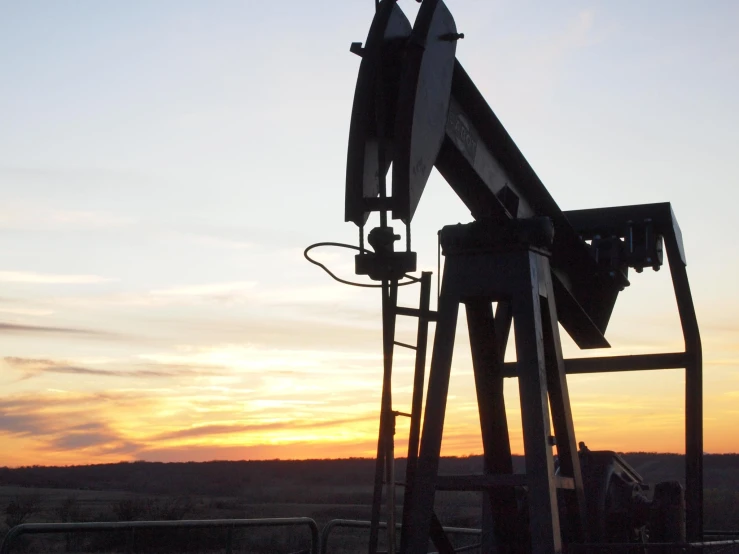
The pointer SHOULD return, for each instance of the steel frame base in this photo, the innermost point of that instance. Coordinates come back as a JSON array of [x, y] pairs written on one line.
[[520, 282]]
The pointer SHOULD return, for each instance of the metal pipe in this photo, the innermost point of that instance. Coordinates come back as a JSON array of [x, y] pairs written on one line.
[[605, 364], [677, 547], [359, 524], [389, 306], [390, 484], [693, 390], [414, 433], [40, 528], [390, 300]]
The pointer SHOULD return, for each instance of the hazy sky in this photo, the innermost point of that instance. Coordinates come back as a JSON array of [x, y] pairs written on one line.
[[163, 165]]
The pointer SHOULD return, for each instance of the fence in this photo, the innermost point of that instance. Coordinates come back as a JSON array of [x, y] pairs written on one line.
[[709, 547], [131, 526], [319, 542], [356, 524]]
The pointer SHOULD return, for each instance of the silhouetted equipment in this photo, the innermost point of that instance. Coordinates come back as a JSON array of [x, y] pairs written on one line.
[[416, 108]]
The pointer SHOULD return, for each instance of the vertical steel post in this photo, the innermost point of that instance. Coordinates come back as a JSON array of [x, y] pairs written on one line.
[[693, 391], [418, 381], [532, 384], [389, 301], [487, 331], [390, 483], [418, 514], [559, 403]]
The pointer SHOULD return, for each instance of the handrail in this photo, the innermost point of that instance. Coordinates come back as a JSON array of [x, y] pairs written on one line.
[[665, 547], [359, 524], [39, 528], [720, 533], [319, 540]]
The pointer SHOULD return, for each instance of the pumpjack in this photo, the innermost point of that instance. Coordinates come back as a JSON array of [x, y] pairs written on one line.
[[416, 108]]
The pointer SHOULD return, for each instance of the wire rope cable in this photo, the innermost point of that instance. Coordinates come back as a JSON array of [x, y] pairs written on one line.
[[411, 279]]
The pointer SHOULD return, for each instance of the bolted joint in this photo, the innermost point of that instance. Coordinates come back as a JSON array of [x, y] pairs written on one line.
[[451, 37], [357, 48], [382, 239]]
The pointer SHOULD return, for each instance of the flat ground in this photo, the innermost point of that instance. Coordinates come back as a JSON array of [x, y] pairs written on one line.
[[320, 489]]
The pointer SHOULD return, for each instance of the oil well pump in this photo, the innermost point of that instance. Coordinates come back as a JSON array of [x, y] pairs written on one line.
[[416, 108]]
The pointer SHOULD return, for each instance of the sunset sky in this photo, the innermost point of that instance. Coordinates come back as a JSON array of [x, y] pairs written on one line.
[[164, 164]]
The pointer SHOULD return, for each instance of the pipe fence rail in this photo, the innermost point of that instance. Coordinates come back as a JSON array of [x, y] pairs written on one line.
[[713, 534], [359, 524], [707, 547], [132, 526], [718, 542]]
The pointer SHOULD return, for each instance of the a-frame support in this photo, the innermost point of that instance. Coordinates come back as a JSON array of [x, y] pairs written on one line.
[[518, 278], [616, 221]]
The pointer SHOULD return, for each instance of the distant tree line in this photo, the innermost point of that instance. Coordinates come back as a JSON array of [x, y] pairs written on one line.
[[224, 478], [327, 488]]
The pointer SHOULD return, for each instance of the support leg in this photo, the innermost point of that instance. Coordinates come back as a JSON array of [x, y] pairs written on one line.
[[414, 435], [486, 332], [544, 516], [693, 392], [417, 516], [564, 429]]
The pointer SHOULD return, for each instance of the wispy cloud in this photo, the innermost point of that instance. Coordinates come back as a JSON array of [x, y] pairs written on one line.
[[86, 436], [264, 451], [64, 424], [220, 429], [17, 328], [31, 367], [50, 278]]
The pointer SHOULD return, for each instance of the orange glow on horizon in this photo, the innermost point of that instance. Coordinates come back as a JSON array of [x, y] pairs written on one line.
[[304, 405]]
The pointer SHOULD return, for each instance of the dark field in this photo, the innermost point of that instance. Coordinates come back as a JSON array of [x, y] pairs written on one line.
[[320, 489]]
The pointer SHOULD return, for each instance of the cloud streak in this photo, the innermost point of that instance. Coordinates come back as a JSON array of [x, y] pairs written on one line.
[[32, 367], [61, 427], [18, 328], [209, 430], [50, 278]]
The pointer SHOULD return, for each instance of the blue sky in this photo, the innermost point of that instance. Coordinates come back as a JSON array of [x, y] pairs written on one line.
[[162, 166]]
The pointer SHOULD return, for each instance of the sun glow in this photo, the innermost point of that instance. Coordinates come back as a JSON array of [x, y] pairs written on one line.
[[154, 299]]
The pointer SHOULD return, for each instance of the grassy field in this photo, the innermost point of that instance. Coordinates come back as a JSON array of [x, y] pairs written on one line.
[[320, 489], [319, 503]]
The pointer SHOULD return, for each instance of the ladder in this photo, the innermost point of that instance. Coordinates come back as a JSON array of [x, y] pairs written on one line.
[[385, 461]]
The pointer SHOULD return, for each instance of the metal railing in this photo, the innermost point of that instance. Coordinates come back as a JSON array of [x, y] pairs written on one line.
[[132, 526], [358, 524], [319, 541], [714, 534], [709, 547]]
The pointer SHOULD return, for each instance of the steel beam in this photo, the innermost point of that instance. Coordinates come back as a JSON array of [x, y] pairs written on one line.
[[607, 364]]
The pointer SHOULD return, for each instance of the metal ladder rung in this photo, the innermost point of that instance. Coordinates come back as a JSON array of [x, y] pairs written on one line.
[[414, 312], [404, 345]]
